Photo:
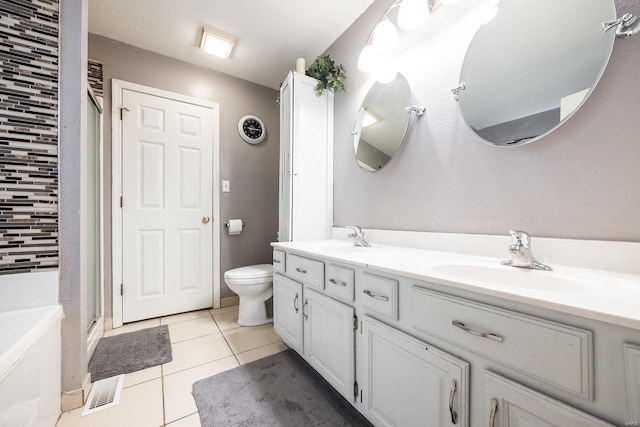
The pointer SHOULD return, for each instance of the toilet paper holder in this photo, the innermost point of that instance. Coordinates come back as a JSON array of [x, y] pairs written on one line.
[[226, 224]]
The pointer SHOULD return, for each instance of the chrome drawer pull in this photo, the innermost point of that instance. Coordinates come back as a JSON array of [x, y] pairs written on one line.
[[492, 415], [304, 312], [295, 305], [300, 270], [335, 282], [476, 333], [376, 296], [454, 414], [277, 261]]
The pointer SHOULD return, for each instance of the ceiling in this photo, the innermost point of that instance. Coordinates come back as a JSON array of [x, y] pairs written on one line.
[[270, 34]]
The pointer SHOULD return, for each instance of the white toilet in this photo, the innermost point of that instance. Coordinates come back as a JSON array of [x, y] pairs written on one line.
[[254, 286]]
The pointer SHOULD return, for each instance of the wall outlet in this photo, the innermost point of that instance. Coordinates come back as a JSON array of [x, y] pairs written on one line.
[[226, 186]]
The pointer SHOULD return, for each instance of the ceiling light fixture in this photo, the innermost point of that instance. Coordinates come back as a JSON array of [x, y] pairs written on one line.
[[384, 37], [216, 43]]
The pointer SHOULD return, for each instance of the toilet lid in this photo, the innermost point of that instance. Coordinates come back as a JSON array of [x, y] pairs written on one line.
[[250, 272]]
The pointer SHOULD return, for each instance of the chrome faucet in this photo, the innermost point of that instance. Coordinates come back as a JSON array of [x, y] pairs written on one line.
[[521, 255], [358, 234]]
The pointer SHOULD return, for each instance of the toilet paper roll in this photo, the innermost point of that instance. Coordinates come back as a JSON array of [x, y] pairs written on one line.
[[235, 226], [300, 65]]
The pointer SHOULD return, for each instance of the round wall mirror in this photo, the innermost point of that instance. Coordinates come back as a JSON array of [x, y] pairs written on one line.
[[531, 65], [381, 123]]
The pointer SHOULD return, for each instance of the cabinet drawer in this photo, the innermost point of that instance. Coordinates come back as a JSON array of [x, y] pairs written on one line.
[[339, 282], [306, 270], [279, 261], [508, 403], [378, 294], [557, 354]]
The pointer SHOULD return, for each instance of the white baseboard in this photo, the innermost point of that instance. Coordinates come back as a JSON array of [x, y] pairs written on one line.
[[75, 399]]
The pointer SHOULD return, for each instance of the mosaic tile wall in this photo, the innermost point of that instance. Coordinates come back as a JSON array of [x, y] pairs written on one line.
[[95, 77], [28, 135]]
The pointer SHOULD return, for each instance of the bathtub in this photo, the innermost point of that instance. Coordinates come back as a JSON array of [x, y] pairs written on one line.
[[30, 353]]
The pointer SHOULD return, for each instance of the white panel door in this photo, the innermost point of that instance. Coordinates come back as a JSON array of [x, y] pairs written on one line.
[[329, 343], [167, 166], [405, 382]]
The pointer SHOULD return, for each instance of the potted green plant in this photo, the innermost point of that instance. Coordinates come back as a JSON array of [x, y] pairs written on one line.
[[329, 75]]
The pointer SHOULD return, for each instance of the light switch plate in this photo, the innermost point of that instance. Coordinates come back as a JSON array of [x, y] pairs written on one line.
[[226, 186]]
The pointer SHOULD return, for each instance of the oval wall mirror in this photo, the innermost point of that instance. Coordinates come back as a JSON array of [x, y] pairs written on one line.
[[381, 123], [531, 65]]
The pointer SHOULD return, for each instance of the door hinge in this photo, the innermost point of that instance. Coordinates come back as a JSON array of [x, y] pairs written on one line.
[[122, 110], [121, 289], [120, 201], [355, 389], [355, 323]]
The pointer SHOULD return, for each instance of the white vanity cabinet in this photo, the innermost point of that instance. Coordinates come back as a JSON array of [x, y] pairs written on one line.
[[329, 340], [287, 311], [509, 404], [406, 382], [306, 160]]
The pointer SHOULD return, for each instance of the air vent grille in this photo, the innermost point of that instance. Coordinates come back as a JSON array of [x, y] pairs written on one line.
[[104, 394]]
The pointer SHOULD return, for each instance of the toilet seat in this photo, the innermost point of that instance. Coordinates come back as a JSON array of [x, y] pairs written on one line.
[[249, 275]]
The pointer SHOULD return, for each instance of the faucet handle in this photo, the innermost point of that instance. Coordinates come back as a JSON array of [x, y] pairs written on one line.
[[521, 238], [355, 230]]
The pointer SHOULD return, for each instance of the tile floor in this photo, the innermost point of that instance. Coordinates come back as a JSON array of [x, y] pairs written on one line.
[[203, 343]]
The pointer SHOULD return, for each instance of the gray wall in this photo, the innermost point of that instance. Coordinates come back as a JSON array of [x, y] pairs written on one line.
[[582, 181], [252, 170]]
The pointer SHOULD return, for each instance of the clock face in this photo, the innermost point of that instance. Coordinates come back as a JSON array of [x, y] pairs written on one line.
[[251, 129]]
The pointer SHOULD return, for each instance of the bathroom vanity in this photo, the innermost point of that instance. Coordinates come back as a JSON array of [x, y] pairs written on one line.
[[425, 336]]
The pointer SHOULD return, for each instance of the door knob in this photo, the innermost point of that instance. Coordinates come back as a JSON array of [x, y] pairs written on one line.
[[205, 219]]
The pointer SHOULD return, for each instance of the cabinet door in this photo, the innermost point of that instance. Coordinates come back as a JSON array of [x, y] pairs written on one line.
[[287, 311], [405, 382], [329, 340], [509, 404]]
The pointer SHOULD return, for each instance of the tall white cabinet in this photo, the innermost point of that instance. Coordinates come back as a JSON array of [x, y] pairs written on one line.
[[306, 160]]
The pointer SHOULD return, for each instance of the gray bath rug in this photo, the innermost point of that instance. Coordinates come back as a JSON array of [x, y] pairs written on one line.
[[130, 352], [280, 390]]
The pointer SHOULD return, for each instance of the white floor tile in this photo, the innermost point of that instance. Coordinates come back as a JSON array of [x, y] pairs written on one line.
[[227, 321], [244, 339], [260, 352], [130, 327], [167, 320], [187, 354], [178, 400], [142, 376], [140, 406], [192, 420], [194, 328]]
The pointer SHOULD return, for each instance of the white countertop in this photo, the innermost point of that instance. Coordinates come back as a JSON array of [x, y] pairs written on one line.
[[608, 296]]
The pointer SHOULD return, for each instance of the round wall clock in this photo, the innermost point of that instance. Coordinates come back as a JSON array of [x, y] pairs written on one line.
[[251, 129]]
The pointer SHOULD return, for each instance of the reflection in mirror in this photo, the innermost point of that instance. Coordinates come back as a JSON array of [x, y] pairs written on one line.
[[531, 65], [381, 123]]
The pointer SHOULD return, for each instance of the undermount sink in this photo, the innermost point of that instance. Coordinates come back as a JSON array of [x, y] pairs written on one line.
[[513, 277]]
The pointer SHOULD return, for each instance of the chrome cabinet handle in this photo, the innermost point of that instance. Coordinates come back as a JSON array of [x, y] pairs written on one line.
[[277, 261], [335, 282], [376, 296], [295, 305], [300, 270], [304, 312], [488, 335], [454, 414], [492, 415]]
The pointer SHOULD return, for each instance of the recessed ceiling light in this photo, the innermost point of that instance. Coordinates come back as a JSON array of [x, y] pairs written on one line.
[[216, 43]]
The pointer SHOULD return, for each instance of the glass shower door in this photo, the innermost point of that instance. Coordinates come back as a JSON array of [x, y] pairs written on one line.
[[94, 273]]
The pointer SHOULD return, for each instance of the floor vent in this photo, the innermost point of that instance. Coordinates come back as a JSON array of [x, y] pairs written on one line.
[[104, 394]]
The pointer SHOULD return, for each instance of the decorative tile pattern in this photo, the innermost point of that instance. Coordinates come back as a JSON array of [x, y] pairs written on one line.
[[95, 77], [28, 135]]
